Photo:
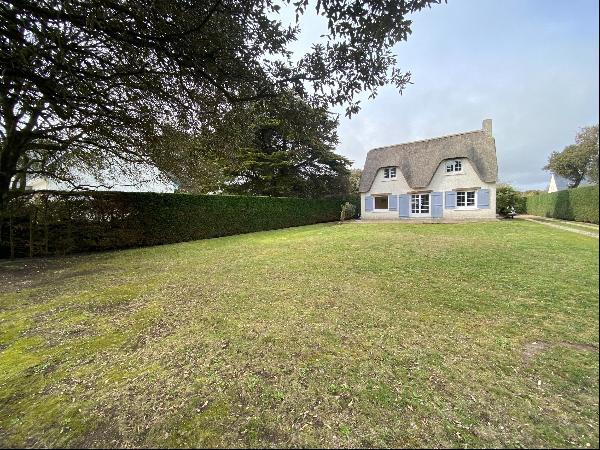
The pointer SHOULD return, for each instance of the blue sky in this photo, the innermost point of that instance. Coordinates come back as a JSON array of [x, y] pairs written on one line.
[[530, 65]]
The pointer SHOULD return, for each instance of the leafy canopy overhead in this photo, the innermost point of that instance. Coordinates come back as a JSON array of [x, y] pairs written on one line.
[[83, 83]]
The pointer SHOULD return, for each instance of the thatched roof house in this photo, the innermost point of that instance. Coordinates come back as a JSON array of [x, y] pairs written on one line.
[[455, 163]]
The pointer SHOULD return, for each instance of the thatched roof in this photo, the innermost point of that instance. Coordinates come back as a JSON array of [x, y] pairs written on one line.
[[419, 160]]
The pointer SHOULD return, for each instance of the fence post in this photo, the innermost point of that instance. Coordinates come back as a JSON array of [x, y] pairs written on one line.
[[69, 244], [45, 225], [31, 235], [10, 237]]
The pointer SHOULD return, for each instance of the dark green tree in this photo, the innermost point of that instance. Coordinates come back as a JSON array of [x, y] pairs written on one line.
[[288, 151], [278, 147], [84, 83]]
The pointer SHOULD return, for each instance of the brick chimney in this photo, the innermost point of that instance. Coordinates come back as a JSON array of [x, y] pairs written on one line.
[[487, 126]]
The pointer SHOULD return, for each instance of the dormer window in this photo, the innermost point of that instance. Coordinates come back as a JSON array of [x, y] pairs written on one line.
[[454, 166], [389, 173]]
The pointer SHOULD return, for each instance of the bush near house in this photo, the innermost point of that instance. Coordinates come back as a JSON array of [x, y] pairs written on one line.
[[50, 223], [348, 211], [580, 204], [509, 200]]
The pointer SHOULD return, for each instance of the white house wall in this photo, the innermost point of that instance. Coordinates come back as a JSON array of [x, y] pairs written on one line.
[[383, 186], [441, 182]]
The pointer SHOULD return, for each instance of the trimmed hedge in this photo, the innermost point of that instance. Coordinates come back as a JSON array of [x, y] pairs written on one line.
[[580, 204], [57, 223]]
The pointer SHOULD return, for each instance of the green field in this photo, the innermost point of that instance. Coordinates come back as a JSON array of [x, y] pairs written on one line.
[[466, 335]]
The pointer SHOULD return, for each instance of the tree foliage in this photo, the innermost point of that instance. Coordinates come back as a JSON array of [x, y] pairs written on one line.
[[579, 160], [355, 175], [84, 83], [285, 149], [587, 139], [291, 154]]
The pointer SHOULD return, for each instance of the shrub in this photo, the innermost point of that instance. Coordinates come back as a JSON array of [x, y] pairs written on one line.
[[521, 204], [348, 211], [579, 204], [355, 200], [49, 223], [508, 200]]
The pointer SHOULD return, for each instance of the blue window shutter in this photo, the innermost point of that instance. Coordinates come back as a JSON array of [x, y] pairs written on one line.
[[369, 201], [404, 208], [483, 198], [392, 202], [450, 199], [437, 207]]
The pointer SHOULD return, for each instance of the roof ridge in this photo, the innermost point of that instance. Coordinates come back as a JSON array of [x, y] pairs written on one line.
[[428, 139]]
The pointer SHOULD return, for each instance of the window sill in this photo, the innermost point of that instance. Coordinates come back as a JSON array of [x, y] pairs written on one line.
[[450, 174], [466, 208], [380, 210], [389, 179]]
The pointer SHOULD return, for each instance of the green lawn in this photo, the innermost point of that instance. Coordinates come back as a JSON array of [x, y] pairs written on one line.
[[479, 334], [580, 226]]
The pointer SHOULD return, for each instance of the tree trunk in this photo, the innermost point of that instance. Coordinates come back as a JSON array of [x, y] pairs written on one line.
[[4, 189], [4, 217], [578, 181], [10, 153]]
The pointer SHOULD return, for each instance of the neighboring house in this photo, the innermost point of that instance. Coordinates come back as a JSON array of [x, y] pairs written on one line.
[[452, 177], [42, 184], [558, 183]]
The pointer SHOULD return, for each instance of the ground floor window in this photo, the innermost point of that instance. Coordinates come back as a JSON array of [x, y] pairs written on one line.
[[419, 204], [465, 198], [381, 202]]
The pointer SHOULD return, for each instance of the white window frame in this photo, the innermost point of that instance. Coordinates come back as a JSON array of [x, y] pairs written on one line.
[[420, 213], [466, 206], [451, 167], [387, 171], [388, 200]]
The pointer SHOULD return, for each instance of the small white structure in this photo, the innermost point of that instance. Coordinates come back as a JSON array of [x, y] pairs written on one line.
[[558, 183], [451, 177]]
